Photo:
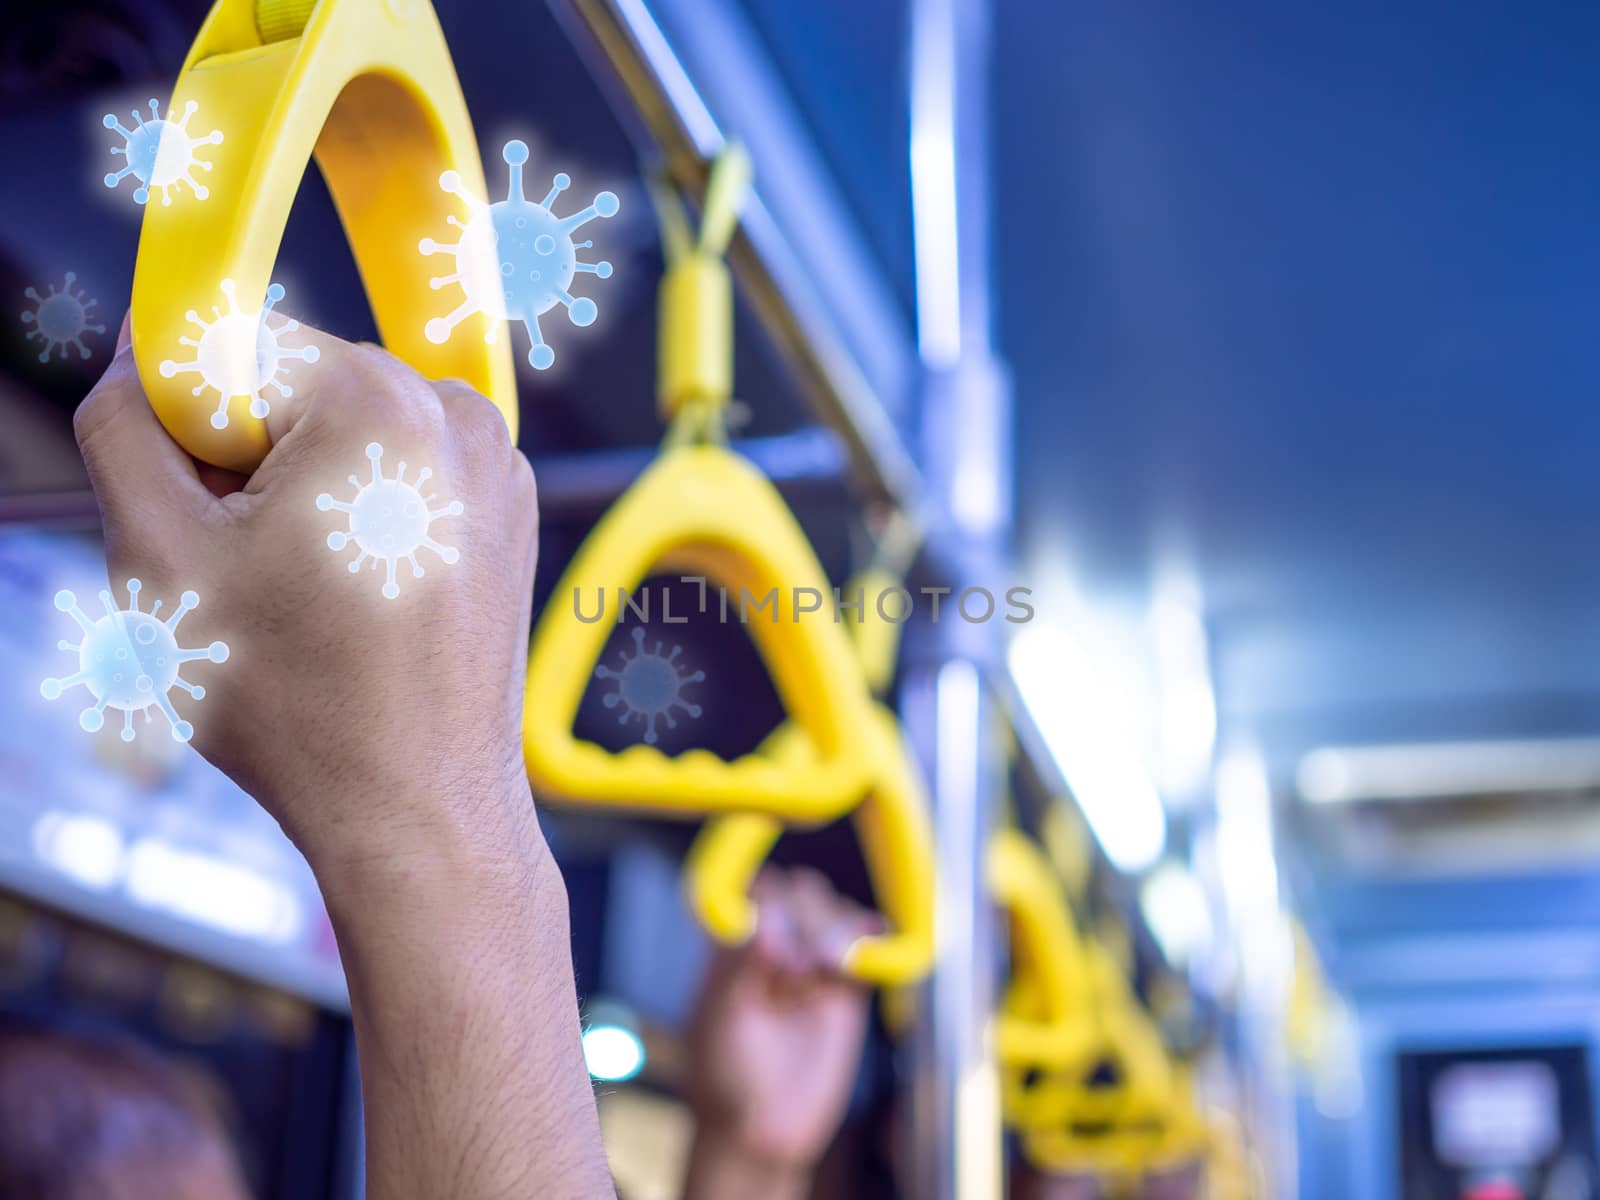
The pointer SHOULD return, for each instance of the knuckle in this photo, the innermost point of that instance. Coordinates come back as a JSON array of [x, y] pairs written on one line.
[[477, 427], [385, 386]]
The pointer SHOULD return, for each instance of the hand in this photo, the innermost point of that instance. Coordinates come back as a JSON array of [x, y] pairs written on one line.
[[335, 703], [777, 1037], [385, 736]]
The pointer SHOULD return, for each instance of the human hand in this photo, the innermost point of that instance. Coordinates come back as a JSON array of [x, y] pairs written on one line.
[[778, 1033], [385, 736], [337, 707]]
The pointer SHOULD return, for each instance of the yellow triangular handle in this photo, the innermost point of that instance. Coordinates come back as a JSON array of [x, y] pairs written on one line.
[[1059, 1032], [703, 510], [896, 839], [368, 85], [1146, 1095], [1123, 1150]]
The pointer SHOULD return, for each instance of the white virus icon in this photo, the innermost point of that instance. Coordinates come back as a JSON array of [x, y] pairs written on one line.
[[130, 660], [60, 318], [240, 354], [160, 153], [389, 520], [516, 259], [650, 686]]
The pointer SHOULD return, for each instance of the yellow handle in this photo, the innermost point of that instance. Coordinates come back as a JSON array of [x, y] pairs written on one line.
[[706, 511], [369, 86], [1124, 1151], [1120, 1157], [1143, 1118], [896, 839], [1060, 1032], [874, 634]]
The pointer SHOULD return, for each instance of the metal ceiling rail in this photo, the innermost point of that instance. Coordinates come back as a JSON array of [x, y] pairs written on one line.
[[845, 379]]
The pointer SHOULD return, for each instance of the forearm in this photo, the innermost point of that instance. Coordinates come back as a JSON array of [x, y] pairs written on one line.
[[720, 1169], [456, 946]]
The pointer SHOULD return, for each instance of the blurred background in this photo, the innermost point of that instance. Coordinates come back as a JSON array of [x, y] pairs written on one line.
[[1253, 340]]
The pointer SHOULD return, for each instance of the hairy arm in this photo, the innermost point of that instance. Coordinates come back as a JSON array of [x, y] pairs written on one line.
[[384, 734]]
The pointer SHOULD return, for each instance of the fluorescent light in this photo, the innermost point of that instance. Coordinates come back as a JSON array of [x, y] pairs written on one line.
[[935, 229], [1431, 770], [1177, 911], [1187, 728], [1245, 859], [612, 1053], [1092, 747], [211, 891], [85, 848]]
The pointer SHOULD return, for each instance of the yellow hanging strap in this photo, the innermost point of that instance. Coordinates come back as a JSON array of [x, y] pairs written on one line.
[[1046, 1021], [1145, 1118], [694, 372], [702, 510], [892, 824], [368, 86]]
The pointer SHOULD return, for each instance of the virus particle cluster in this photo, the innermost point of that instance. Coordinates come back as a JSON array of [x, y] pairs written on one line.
[[650, 686], [240, 354], [60, 318], [129, 660], [160, 153], [389, 520], [515, 259]]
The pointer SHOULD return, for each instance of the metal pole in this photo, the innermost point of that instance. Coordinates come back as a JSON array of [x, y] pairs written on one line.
[[965, 417]]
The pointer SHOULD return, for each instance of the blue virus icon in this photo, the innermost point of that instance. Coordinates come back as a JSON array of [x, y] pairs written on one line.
[[129, 660], [240, 354], [160, 153], [389, 520], [60, 318], [516, 259], [650, 686]]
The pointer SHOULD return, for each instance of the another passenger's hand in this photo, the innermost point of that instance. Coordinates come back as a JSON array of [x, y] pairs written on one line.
[[337, 706], [777, 1040]]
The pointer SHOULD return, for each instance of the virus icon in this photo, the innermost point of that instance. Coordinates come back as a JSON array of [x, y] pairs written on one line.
[[516, 259], [160, 153], [129, 660], [389, 520], [240, 354], [60, 318], [650, 686]]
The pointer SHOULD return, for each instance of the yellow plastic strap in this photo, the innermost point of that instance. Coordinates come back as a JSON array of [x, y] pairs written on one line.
[[703, 510], [369, 86], [695, 344], [876, 637], [892, 825], [280, 20], [1120, 1157], [1059, 1033], [1146, 1093]]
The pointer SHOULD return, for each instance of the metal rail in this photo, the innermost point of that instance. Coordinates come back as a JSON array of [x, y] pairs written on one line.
[[842, 388]]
